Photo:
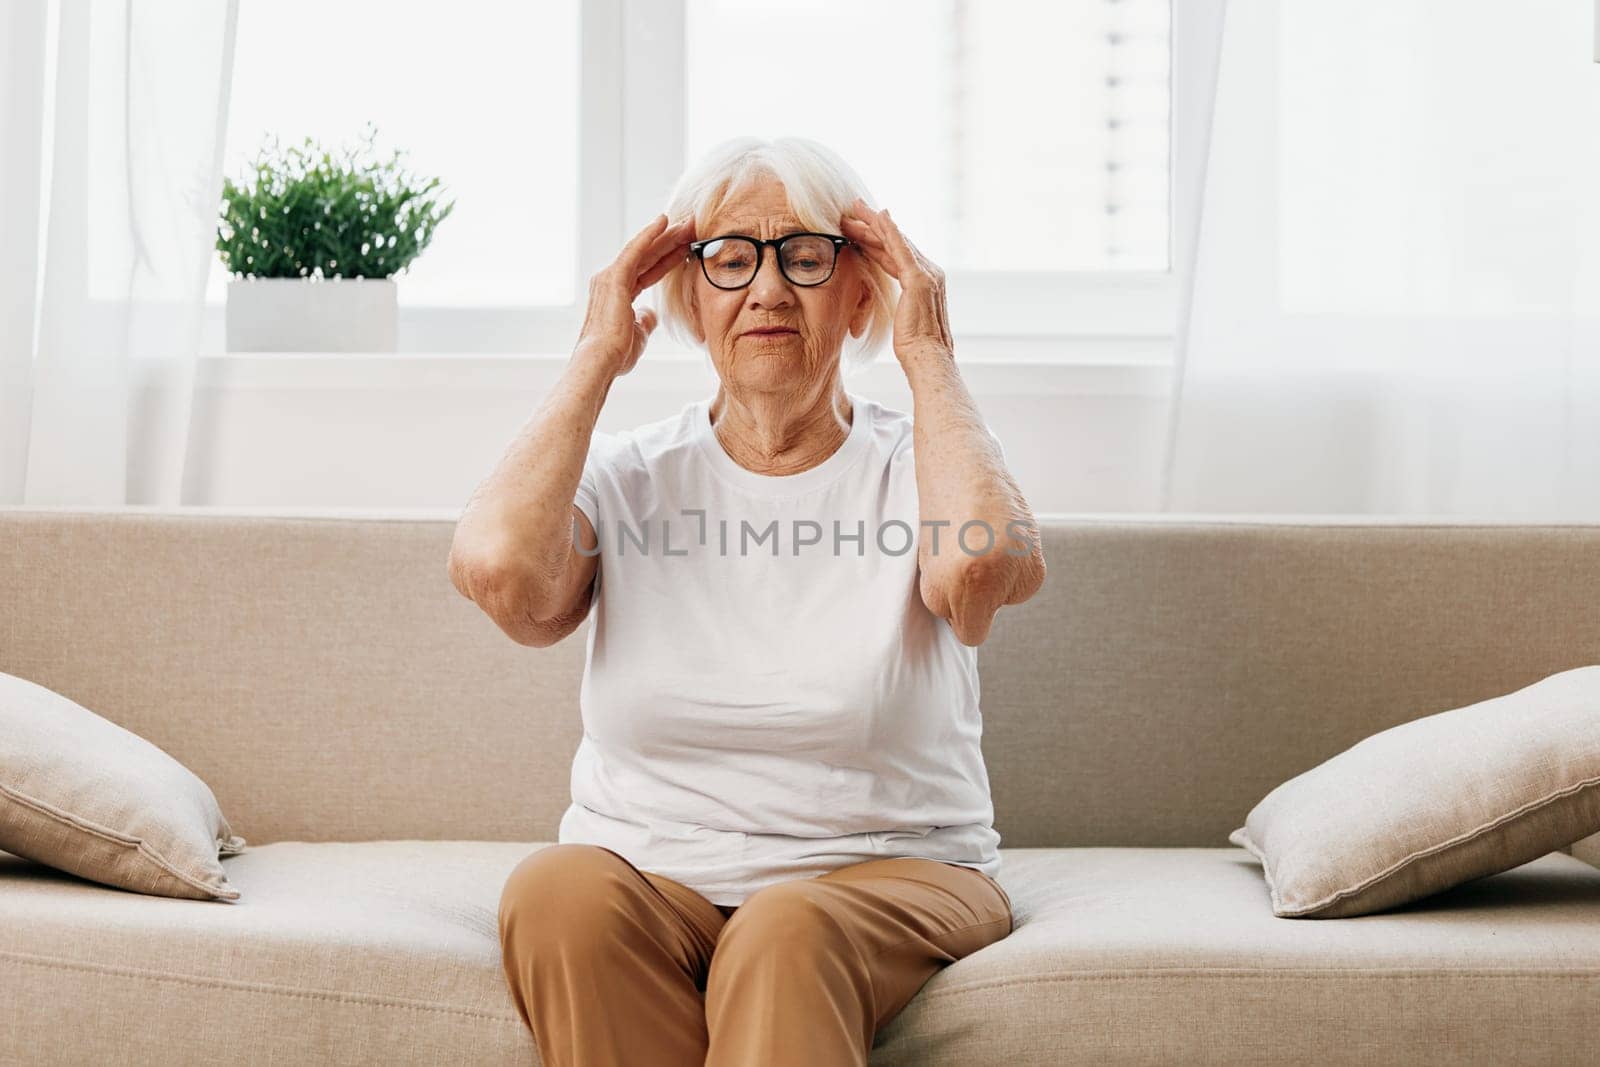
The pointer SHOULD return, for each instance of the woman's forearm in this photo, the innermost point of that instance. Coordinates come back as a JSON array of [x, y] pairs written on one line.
[[962, 478], [519, 520]]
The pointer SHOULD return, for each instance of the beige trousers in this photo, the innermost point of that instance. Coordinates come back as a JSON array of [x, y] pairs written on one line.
[[611, 966]]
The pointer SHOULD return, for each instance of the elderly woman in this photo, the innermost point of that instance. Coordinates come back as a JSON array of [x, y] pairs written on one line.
[[780, 825]]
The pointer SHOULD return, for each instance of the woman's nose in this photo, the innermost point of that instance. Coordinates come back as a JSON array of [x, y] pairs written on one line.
[[769, 279]]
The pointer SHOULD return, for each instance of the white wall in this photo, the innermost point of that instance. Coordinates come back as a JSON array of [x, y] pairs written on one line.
[[421, 431]]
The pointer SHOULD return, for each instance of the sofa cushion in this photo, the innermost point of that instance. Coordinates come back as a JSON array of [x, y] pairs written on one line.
[[388, 952], [1170, 955], [1434, 802], [80, 793], [382, 952]]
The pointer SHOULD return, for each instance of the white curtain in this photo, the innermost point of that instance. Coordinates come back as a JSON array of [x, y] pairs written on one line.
[[112, 119], [1396, 297]]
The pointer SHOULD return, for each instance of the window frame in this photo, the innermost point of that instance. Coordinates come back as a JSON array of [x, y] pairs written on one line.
[[631, 129]]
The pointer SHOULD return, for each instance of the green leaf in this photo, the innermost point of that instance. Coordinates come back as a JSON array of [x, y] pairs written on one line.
[[302, 210]]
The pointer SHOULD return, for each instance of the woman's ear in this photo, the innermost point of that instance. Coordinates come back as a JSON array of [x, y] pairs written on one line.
[[694, 312], [861, 314]]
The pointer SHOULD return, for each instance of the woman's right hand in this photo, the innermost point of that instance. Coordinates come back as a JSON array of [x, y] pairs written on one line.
[[611, 326]]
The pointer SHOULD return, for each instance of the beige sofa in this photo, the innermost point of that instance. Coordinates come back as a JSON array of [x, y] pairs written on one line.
[[390, 755]]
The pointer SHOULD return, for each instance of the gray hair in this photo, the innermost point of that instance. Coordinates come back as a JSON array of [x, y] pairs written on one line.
[[820, 185]]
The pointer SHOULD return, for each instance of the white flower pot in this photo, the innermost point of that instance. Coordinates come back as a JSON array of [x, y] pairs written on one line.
[[312, 315]]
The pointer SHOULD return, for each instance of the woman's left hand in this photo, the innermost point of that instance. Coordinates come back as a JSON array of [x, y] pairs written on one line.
[[920, 319]]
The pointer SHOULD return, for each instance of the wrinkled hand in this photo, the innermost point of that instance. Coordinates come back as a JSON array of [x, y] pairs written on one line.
[[921, 320], [611, 326]]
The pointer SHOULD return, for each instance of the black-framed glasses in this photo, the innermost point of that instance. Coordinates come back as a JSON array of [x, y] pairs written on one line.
[[731, 262]]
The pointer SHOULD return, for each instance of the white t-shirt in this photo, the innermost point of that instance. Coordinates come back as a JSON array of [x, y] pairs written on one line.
[[750, 717]]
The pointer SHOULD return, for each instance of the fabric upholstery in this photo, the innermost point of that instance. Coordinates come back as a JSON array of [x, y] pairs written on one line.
[[1434, 802], [333, 954], [81, 793], [388, 752], [326, 679], [1173, 955], [376, 952], [1588, 849]]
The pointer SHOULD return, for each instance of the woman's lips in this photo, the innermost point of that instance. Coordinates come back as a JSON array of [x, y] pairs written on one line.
[[769, 333]]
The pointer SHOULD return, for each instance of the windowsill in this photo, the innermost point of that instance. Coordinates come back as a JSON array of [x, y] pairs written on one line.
[[1079, 318], [1139, 369]]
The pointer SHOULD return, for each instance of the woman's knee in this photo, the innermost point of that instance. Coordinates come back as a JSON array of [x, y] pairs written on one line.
[[792, 918], [561, 888]]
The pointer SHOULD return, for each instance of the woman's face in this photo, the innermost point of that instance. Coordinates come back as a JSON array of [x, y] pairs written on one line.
[[820, 315]]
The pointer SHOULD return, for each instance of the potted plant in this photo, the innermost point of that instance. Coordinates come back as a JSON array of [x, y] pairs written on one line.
[[312, 245]]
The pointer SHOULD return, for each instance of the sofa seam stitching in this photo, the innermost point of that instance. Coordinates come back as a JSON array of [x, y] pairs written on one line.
[[1262, 974], [244, 987]]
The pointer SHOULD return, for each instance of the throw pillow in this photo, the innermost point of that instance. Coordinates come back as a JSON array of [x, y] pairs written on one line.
[[83, 795], [1429, 804]]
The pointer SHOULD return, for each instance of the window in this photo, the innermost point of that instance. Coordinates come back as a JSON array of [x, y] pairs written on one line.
[[492, 114], [1024, 144], [1015, 135]]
